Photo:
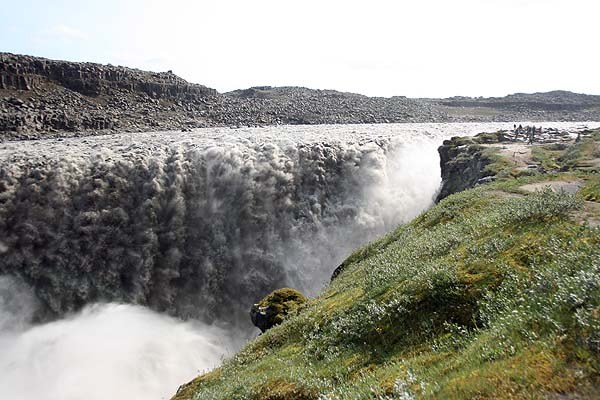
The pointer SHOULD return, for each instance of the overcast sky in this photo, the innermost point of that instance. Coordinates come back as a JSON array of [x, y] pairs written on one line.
[[419, 48]]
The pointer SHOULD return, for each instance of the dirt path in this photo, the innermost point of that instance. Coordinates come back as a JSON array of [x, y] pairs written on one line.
[[569, 186], [589, 214], [519, 153]]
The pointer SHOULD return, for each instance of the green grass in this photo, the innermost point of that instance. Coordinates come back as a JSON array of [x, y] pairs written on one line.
[[500, 166], [562, 157], [486, 296], [547, 156], [591, 190], [480, 297]]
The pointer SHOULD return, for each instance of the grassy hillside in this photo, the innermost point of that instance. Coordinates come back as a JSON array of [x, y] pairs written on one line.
[[494, 293]]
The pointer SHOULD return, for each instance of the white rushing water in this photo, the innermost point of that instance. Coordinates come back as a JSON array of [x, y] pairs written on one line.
[[106, 351], [198, 225]]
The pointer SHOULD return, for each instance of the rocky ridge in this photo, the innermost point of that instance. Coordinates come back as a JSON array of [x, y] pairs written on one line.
[[558, 105], [466, 162], [297, 105], [47, 98]]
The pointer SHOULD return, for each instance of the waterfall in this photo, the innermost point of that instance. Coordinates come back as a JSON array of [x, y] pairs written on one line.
[[199, 225]]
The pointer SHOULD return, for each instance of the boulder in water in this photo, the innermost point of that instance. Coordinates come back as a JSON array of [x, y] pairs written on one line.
[[275, 307]]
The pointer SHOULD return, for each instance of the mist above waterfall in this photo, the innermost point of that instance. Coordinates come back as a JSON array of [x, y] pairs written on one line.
[[106, 351]]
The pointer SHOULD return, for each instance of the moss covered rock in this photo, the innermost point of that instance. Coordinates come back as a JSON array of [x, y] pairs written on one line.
[[273, 309]]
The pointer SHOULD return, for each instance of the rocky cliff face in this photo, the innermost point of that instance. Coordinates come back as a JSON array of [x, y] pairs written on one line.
[[44, 96], [27, 73], [41, 97], [463, 162]]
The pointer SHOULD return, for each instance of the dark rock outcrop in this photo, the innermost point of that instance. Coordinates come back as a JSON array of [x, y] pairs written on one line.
[[273, 309], [338, 270], [59, 98], [463, 162], [41, 97], [27, 73]]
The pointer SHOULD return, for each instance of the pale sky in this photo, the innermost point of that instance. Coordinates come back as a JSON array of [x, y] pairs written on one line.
[[426, 48]]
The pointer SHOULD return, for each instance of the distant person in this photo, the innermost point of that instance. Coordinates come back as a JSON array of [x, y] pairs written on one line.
[[531, 135]]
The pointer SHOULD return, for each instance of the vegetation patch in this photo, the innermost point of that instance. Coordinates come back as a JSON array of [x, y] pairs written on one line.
[[591, 190], [275, 307]]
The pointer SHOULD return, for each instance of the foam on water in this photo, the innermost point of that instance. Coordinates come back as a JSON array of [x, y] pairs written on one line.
[[106, 351]]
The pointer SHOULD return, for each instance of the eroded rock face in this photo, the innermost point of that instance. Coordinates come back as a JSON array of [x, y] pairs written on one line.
[[41, 97], [275, 307], [461, 166], [27, 73], [51, 98], [463, 162]]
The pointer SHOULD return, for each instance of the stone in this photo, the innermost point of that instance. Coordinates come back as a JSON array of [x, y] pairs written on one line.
[[462, 166], [275, 307]]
